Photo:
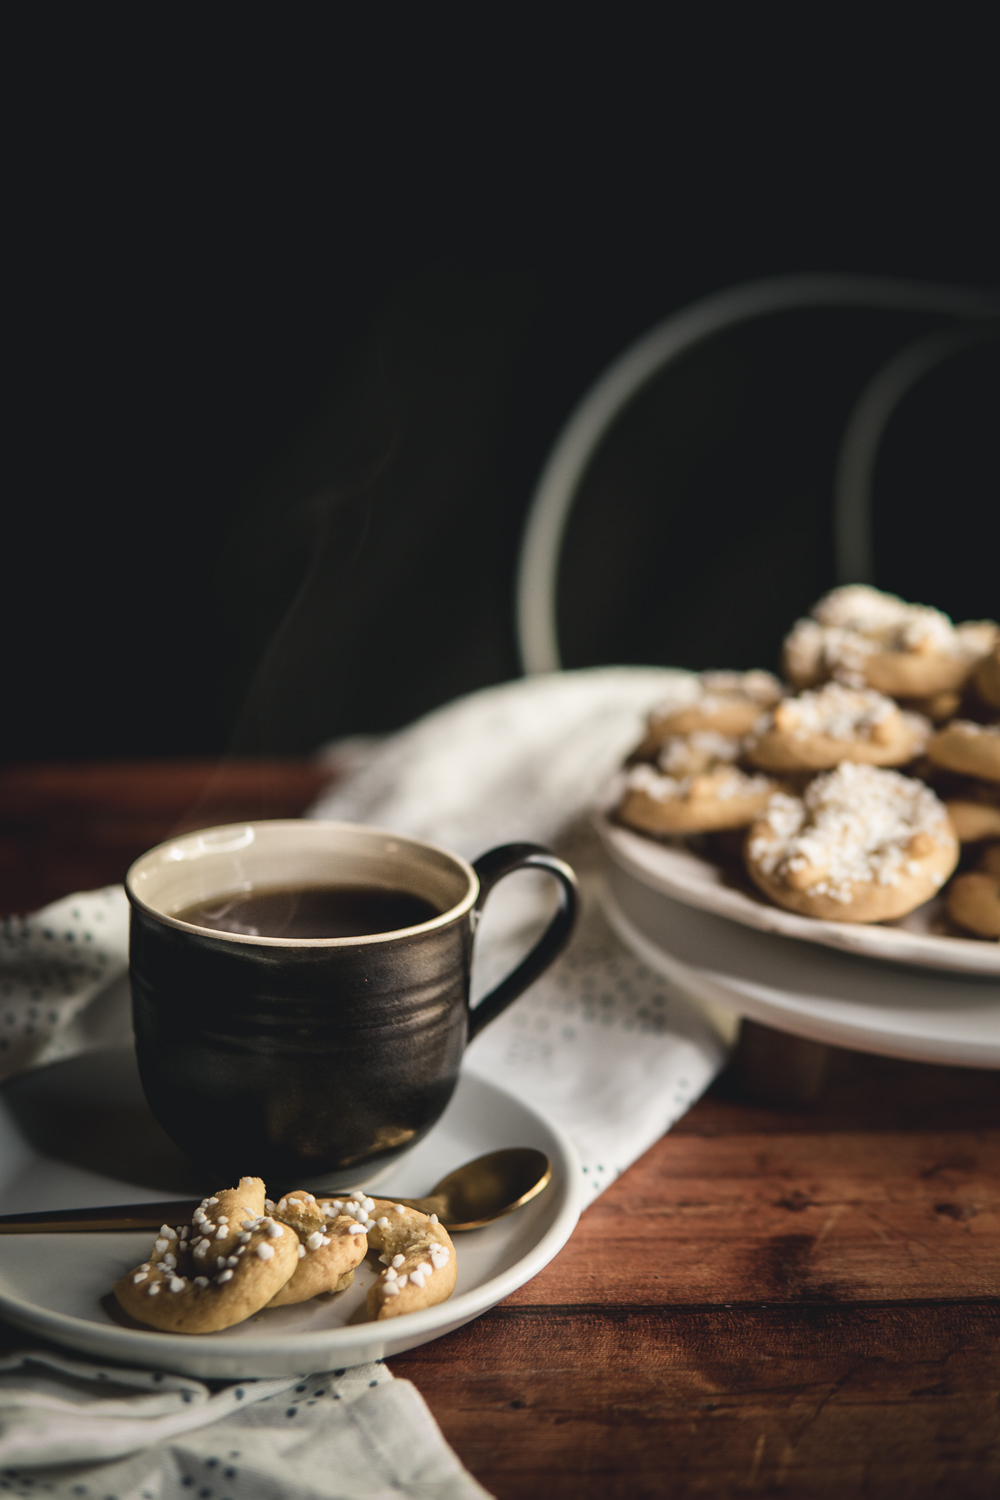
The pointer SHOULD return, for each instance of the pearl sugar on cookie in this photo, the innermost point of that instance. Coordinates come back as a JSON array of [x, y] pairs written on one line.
[[242, 1253]]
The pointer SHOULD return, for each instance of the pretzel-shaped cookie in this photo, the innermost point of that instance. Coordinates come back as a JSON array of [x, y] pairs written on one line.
[[220, 1270], [242, 1253], [419, 1259], [330, 1248], [417, 1251]]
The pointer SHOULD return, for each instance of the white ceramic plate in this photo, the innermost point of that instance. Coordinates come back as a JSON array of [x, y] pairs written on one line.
[[923, 1014], [79, 1133], [677, 871]]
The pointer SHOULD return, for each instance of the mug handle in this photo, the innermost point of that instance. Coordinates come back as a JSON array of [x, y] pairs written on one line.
[[493, 867]]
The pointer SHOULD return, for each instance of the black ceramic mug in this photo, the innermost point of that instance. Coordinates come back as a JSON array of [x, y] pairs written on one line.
[[267, 1053]]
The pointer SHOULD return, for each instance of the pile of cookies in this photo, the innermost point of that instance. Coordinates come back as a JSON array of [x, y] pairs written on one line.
[[861, 784], [242, 1253]]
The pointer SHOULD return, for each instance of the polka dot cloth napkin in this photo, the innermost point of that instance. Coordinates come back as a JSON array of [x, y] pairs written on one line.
[[609, 1049], [77, 1431], [61, 980]]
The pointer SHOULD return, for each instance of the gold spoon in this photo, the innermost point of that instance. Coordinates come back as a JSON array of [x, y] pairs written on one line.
[[469, 1197]]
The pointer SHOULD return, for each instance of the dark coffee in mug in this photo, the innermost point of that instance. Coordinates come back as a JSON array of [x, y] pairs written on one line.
[[292, 1056], [311, 911]]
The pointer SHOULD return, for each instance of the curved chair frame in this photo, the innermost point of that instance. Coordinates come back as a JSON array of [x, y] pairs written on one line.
[[552, 502]]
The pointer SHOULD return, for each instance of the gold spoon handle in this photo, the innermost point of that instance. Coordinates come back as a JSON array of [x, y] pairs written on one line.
[[82, 1220], [143, 1215]]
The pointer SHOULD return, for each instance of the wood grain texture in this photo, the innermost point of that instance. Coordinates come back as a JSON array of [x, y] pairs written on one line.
[[802, 1402], [789, 1217], [800, 1303]]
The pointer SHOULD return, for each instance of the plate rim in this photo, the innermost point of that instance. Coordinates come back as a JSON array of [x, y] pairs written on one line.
[[109, 1341], [865, 940]]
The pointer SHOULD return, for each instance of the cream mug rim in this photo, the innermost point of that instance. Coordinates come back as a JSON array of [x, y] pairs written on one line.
[[169, 853]]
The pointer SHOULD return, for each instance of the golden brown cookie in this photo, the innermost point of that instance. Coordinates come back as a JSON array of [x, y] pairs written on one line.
[[971, 749], [861, 845], [419, 1259], [865, 638], [973, 898], [242, 1253], [974, 818], [938, 707], [987, 677], [695, 787], [220, 1270], [819, 729], [726, 703], [330, 1247]]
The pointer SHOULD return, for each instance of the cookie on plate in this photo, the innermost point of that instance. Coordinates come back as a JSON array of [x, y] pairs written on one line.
[[987, 677], [861, 844], [331, 1246], [727, 703], [694, 787], [221, 1269], [866, 638], [821, 728], [975, 813], [968, 748], [419, 1259], [973, 898]]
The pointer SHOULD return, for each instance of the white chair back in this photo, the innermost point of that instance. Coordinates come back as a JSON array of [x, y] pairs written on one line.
[[974, 316]]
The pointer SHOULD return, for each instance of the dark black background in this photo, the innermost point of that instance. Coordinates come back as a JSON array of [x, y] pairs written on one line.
[[300, 303]]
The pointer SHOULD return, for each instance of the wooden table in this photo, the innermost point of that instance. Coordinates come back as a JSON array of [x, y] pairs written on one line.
[[794, 1301]]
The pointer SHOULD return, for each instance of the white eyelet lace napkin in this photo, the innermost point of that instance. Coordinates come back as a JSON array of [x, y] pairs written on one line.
[[608, 1048]]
